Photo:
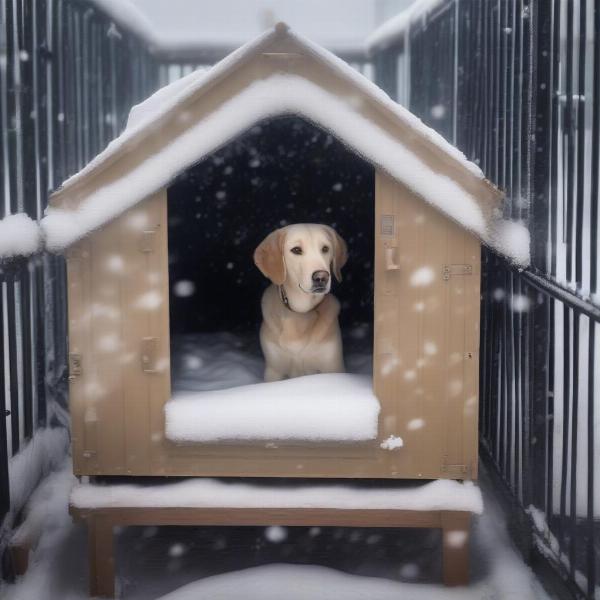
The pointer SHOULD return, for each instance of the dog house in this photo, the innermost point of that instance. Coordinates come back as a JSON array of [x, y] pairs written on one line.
[[432, 211]]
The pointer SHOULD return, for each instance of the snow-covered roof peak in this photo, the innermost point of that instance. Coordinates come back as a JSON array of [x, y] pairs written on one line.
[[280, 72]]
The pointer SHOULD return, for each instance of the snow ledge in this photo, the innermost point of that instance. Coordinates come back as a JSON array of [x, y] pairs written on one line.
[[441, 494], [330, 407]]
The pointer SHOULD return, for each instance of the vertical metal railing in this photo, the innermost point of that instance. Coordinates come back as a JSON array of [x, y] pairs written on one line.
[[521, 97], [68, 77]]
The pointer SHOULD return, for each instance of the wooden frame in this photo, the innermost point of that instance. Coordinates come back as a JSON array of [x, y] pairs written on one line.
[[100, 523]]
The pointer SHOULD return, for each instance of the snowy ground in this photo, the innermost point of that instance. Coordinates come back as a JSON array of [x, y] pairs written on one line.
[[256, 563]]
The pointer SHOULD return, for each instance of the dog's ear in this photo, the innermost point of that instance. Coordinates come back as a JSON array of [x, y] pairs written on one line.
[[268, 257], [340, 253]]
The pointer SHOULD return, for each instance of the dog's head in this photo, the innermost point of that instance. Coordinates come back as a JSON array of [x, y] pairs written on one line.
[[302, 255]]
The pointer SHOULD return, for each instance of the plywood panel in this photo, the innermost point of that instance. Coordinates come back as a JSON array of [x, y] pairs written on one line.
[[430, 337], [82, 408], [471, 378], [160, 382], [422, 324], [431, 312], [105, 386], [142, 297]]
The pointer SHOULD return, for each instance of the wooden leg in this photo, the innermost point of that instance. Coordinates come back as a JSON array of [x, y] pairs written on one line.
[[101, 557], [455, 533]]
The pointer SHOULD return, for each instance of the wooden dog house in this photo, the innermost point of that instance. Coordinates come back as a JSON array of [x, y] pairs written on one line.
[[433, 209]]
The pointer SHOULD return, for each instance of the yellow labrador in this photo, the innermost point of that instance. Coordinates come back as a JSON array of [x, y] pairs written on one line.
[[300, 334]]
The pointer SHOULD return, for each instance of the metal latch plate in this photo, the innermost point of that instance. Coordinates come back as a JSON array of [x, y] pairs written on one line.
[[148, 356], [453, 270], [455, 471], [146, 243], [387, 225], [75, 365]]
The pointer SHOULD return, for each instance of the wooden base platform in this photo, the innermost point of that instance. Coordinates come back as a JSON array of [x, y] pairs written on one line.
[[101, 521]]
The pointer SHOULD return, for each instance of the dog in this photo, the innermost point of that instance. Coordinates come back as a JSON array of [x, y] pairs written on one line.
[[300, 333]]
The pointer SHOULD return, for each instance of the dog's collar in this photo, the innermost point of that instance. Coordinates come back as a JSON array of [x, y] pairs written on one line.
[[286, 302], [284, 298]]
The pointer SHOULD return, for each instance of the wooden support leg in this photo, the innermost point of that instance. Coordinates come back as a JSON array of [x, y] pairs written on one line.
[[455, 533], [101, 557]]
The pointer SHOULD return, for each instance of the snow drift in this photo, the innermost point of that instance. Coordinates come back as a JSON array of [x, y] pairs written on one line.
[[335, 407]]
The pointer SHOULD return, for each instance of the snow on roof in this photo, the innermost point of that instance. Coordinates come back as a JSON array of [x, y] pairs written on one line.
[[393, 29], [144, 112], [329, 406], [441, 494], [274, 95]]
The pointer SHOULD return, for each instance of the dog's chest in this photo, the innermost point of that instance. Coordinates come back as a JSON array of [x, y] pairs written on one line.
[[295, 330]]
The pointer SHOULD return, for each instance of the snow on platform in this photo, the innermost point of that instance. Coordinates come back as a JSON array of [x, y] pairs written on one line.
[[441, 494], [332, 407]]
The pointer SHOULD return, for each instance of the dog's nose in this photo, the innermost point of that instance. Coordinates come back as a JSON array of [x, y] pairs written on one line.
[[320, 278]]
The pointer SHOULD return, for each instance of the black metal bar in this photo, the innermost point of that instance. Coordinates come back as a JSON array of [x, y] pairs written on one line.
[[547, 286], [549, 412], [4, 482], [580, 147], [27, 351], [566, 390], [591, 457], [574, 440], [553, 158], [15, 416], [570, 135], [595, 174], [541, 214]]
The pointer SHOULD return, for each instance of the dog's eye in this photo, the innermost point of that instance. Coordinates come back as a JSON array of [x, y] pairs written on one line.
[[325, 249], [296, 250]]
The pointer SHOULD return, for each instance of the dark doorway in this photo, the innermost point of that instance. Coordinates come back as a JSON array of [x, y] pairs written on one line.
[[282, 171]]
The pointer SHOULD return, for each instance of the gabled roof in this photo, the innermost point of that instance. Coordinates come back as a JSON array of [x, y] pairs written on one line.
[[278, 73]]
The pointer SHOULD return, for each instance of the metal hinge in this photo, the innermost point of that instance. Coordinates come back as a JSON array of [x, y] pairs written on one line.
[[75, 368], [148, 358], [453, 270], [147, 238], [455, 471]]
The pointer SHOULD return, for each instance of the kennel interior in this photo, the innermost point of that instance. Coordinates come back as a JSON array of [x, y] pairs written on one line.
[[153, 265], [281, 171]]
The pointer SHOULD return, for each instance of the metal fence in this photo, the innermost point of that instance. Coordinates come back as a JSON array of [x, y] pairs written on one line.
[[515, 84], [68, 77]]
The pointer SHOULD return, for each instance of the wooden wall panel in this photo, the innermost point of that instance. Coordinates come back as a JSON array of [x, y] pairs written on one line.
[[428, 333], [425, 327], [82, 407]]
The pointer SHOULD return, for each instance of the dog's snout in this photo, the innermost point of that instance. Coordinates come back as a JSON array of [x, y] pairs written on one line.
[[320, 278]]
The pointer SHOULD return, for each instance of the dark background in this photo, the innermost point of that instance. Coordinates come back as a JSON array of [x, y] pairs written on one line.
[[282, 171]]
